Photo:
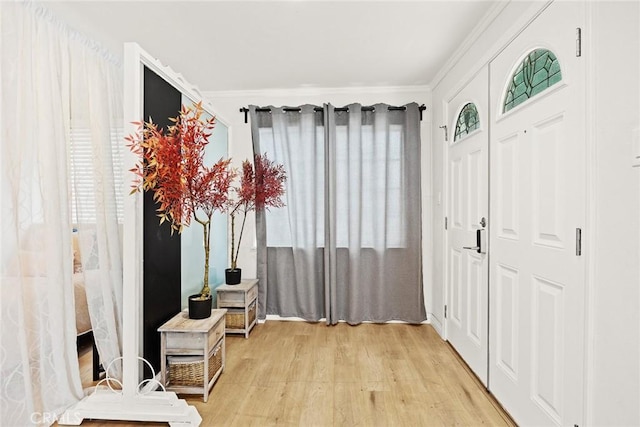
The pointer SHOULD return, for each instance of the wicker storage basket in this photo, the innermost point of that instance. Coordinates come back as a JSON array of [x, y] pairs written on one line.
[[189, 370], [234, 319], [252, 313]]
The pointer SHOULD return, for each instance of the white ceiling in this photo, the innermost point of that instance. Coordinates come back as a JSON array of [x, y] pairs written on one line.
[[253, 45]]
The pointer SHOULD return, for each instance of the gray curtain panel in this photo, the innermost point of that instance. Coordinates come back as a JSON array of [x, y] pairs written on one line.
[[347, 246]]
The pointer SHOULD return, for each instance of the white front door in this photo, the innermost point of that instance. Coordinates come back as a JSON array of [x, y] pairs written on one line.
[[467, 301], [537, 276]]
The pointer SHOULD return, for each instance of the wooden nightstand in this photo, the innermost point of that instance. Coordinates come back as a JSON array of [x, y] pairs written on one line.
[[241, 303], [192, 352]]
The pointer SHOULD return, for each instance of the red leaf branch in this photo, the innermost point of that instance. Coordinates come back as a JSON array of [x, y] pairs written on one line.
[[261, 187], [171, 165]]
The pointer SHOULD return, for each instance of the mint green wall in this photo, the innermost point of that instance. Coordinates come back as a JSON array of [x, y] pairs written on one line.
[[192, 243]]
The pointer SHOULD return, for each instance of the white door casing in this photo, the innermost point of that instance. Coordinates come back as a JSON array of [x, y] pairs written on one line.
[[537, 201], [467, 275]]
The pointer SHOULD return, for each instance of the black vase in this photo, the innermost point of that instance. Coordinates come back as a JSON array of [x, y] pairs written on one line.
[[233, 276], [199, 308]]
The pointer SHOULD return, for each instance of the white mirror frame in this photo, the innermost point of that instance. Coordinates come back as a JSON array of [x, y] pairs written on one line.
[[135, 59], [131, 403]]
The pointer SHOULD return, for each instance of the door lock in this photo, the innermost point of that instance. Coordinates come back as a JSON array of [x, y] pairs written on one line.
[[483, 222], [481, 242]]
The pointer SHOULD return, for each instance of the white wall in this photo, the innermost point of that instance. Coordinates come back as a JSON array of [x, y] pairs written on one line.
[[614, 333], [612, 236], [228, 104]]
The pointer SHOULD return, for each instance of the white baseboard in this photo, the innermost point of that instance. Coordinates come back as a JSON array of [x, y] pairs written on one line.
[[436, 323], [299, 319]]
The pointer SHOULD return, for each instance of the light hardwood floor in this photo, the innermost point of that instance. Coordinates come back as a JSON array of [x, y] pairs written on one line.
[[305, 374]]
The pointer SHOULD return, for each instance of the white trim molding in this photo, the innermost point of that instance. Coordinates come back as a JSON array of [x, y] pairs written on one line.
[[484, 23], [508, 36], [313, 91]]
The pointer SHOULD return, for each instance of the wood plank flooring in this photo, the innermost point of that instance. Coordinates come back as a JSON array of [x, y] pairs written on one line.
[[306, 374]]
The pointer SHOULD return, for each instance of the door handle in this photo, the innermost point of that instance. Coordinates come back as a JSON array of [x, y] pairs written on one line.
[[481, 243]]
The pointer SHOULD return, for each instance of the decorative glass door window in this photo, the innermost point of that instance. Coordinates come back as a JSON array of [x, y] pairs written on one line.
[[468, 121], [538, 70]]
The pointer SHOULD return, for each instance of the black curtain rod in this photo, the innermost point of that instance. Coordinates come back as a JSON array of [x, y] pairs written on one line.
[[245, 110]]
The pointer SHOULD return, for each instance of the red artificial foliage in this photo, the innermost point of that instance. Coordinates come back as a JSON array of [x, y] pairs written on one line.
[[259, 188], [171, 165]]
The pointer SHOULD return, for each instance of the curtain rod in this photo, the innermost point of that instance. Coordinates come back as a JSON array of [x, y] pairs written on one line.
[[245, 110]]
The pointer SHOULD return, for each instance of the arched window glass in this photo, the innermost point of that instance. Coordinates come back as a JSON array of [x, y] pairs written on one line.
[[468, 121], [539, 70]]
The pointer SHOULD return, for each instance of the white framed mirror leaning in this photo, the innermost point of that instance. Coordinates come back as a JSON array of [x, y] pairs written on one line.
[[151, 297]]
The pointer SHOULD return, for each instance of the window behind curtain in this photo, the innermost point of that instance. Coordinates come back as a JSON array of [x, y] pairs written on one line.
[[83, 177], [387, 178], [278, 219]]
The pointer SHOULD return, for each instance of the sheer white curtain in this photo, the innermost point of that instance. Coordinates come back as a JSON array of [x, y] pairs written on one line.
[[59, 93]]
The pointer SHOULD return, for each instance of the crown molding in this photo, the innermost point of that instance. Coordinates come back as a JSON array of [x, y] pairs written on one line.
[[310, 91], [484, 23]]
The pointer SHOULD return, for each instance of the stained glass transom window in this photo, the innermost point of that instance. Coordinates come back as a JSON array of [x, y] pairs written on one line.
[[539, 70], [468, 121]]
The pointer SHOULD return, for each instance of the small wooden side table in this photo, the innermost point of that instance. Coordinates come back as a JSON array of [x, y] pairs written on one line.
[[192, 348], [241, 303]]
